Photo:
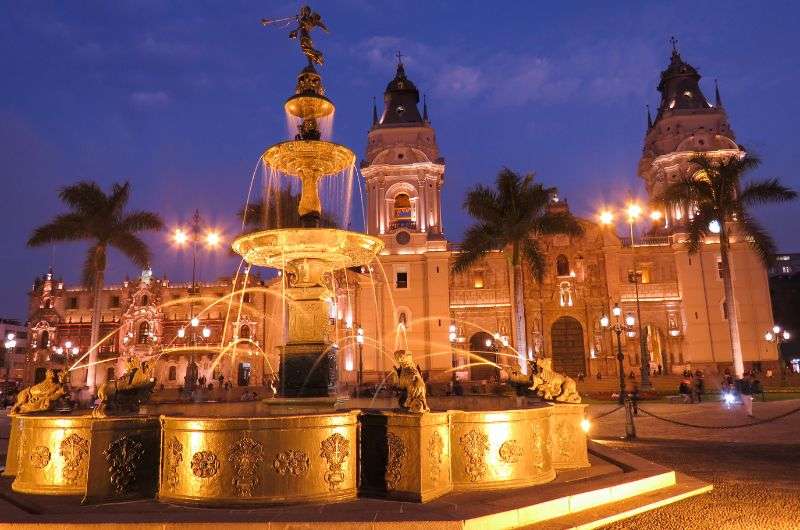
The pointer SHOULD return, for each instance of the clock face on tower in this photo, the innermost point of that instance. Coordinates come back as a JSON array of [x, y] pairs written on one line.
[[402, 237]]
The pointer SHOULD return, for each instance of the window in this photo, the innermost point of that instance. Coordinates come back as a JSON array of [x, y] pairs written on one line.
[[478, 279], [145, 300], [114, 301], [562, 265], [173, 373], [719, 268], [110, 373], [144, 333], [244, 332], [786, 269], [247, 298], [72, 302], [401, 280], [44, 339]]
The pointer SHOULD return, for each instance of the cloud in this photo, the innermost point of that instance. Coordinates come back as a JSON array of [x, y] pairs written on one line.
[[150, 99], [597, 72]]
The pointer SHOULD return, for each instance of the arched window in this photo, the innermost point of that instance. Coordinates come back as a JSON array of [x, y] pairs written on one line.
[[110, 373], [562, 265], [144, 333], [145, 299], [173, 373], [44, 339], [403, 217], [244, 332]]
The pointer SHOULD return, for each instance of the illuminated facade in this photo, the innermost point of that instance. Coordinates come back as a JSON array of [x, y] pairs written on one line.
[[410, 300]]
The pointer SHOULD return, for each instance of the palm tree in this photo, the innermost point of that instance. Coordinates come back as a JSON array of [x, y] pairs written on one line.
[[102, 220], [513, 214], [721, 205]]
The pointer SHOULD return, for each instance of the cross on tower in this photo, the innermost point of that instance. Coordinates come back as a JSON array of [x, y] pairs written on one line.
[[399, 57], [674, 42]]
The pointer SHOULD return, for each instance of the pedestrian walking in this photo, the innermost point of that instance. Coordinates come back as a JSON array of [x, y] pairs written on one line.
[[745, 389]]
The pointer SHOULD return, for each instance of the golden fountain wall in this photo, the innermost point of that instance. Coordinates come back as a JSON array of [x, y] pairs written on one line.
[[106, 459], [501, 449], [239, 461], [569, 441]]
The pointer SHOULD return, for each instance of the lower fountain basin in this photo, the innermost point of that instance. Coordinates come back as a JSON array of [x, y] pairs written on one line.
[[269, 460]]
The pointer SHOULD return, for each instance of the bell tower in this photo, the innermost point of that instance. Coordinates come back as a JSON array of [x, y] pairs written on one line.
[[404, 172]]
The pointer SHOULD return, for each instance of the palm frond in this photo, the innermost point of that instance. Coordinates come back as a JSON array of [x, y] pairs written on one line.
[[120, 193], [558, 223], [483, 204], [535, 258], [479, 240], [141, 221], [759, 238], [85, 197], [765, 192], [132, 247], [64, 227]]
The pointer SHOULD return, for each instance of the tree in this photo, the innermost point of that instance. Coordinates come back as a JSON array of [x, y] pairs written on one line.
[[101, 220], [720, 206], [511, 217]]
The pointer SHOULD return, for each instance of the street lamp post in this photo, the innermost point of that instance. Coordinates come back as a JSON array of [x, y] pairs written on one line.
[[777, 335], [193, 237], [194, 337], [618, 327], [634, 211]]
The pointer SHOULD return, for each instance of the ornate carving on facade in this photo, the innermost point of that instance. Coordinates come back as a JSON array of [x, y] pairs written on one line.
[[291, 462], [510, 451], [123, 456], [335, 449], [475, 444], [435, 447], [394, 467], [205, 464], [551, 385], [245, 455], [174, 455], [74, 449], [410, 381], [40, 456]]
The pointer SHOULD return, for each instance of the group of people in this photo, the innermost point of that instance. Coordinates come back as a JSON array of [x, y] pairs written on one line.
[[692, 386]]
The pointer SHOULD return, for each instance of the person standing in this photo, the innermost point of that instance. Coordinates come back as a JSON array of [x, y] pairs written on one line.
[[746, 392]]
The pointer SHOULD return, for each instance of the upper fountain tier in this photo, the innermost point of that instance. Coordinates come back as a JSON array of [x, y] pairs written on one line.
[[308, 157]]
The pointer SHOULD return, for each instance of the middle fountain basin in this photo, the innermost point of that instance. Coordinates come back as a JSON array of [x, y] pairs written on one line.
[[267, 460]]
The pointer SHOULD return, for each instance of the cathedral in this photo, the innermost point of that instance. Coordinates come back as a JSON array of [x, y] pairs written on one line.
[[457, 326]]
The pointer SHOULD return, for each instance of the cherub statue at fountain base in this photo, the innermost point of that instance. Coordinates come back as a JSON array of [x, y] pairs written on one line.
[[414, 394]]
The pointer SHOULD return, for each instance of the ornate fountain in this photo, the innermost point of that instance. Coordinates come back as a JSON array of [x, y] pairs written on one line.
[[297, 447]]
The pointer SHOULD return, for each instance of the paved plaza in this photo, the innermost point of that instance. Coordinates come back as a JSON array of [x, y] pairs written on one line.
[[755, 470]]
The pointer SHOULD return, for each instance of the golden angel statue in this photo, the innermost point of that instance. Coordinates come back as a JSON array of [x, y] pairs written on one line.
[[307, 20]]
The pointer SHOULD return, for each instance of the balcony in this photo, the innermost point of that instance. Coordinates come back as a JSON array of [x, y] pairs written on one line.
[[647, 241], [650, 291]]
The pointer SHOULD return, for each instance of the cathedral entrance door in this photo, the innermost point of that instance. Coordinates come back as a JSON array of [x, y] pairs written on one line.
[[480, 357], [566, 336]]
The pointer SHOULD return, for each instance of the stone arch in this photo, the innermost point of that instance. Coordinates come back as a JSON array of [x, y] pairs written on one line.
[[244, 332], [567, 346], [481, 356], [143, 332], [655, 338]]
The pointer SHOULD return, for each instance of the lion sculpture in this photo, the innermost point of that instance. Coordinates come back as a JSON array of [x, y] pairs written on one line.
[[551, 385], [409, 379], [41, 397], [125, 393]]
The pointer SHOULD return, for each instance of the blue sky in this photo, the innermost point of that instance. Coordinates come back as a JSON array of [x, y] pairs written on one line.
[[180, 98]]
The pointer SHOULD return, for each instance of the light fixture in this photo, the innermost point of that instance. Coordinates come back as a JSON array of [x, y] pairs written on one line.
[[181, 332], [68, 344], [194, 322], [488, 343], [776, 329], [206, 332], [786, 335], [75, 350], [606, 217], [655, 215], [360, 335], [213, 239], [674, 332], [629, 320], [631, 333], [616, 311], [11, 335], [180, 237], [714, 227], [633, 210], [768, 336], [604, 321], [585, 424]]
